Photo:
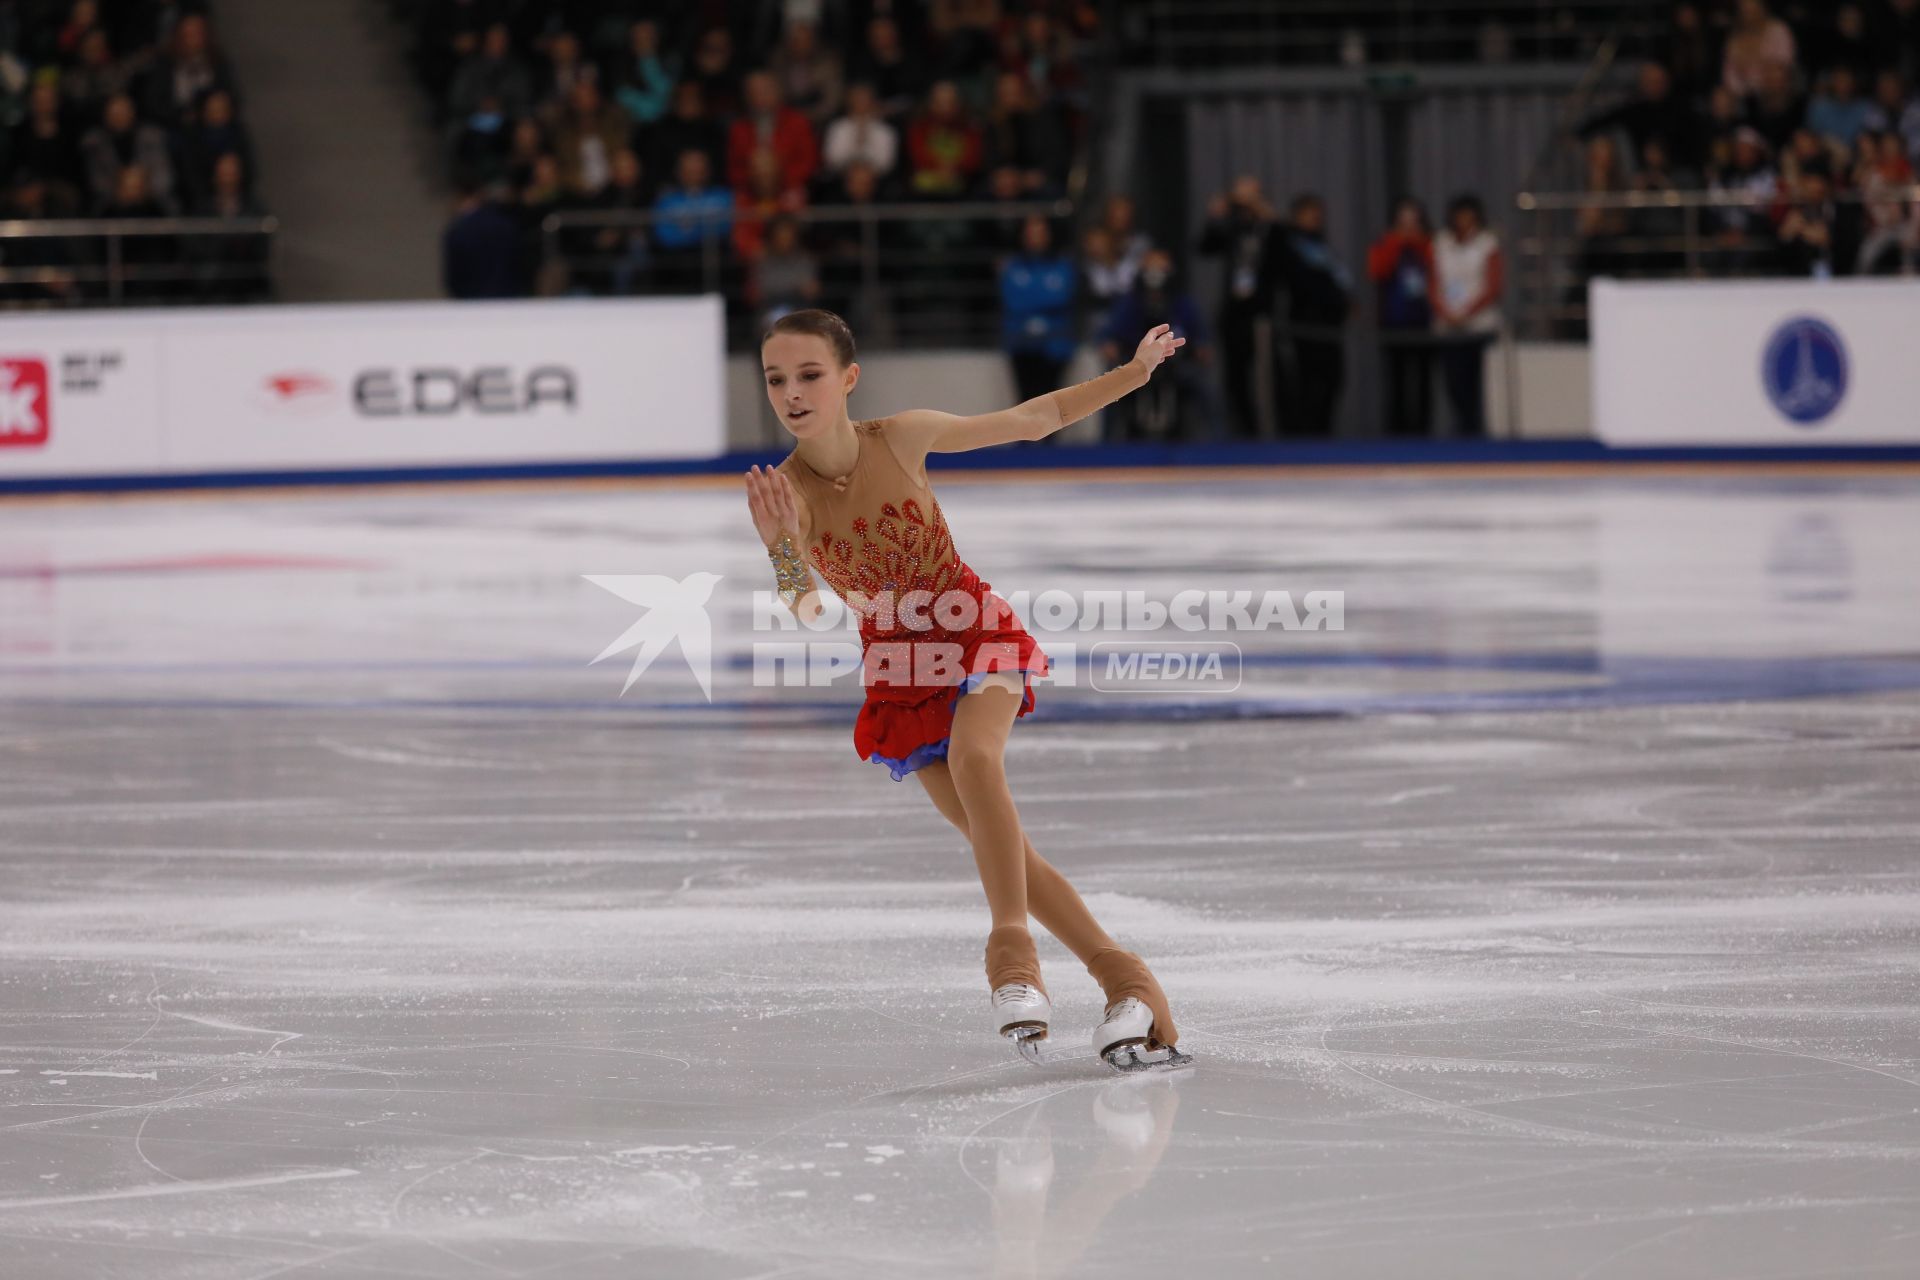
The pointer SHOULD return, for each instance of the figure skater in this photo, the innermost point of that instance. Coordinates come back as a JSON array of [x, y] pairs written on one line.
[[944, 683]]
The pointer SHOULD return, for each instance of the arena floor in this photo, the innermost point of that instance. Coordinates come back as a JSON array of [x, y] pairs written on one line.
[[1559, 917]]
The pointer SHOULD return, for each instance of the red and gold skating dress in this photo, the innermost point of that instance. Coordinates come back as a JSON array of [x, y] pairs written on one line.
[[878, 539]]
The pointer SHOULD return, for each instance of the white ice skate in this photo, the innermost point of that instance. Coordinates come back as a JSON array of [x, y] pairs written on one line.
[[1121, 1041], [1021, 1013]]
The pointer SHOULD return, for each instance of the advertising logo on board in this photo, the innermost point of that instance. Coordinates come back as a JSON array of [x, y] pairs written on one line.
[[26, 409], [1805, 370]]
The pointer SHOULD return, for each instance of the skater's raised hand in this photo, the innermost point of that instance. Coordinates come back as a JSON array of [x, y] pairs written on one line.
[[771, 499], [1157, 346]]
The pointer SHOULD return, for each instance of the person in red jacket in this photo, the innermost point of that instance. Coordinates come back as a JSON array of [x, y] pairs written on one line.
[[943, 146], [1400, 264], [778, 128]]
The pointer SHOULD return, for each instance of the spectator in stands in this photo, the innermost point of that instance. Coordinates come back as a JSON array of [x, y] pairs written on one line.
[[1037, 290], [943, 146], [1239, 230], [145, 258], [861, 136], [481, 142], [1005, 229], [1654, 111], [1319, 299], [95, 76], [1400, 264], [119, 142], [770, 124], [1659, 227], [1469, 275], [528, 143], [687, 127], [229, 268], [1688, 52], [1892, 230], [1757, 40], [1602, 224], [213, 135], [786, 277], [565, 70], [962, 36], [1119, 217], [884, 64], [691, 211], [1106, 276], [1154, 300], [492, 73], [1838, 112], [1897, 36], [587, 137], [47, 145], [1892, 111], [190, 68], [83, 17], [1776, 109], [544, 194], [843, 270], [1818, 236], [617, 258], [809, 76], [714, 71], [762, 199], [52, 258], [480, 251], [1847, 44], [646, 80], [1020, 135], [1725, 113], [1745, 182]]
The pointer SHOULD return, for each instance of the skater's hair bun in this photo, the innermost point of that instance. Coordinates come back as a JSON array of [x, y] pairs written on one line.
[[819, 323]]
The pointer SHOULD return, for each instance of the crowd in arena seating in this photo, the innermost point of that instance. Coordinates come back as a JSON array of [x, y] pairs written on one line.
[[122, 109], [1803, 117], [727, 122]]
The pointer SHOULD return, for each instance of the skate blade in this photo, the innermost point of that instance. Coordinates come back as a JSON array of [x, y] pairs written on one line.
[[1027, 1039], [1134, 1058]]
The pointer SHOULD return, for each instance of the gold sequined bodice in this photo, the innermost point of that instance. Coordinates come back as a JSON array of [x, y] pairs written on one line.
[[877, 529]]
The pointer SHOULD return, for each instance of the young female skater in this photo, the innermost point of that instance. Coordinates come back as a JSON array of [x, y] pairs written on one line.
[[946, 664]]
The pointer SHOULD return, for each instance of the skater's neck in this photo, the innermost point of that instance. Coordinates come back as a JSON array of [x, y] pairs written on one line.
[[833, 453]]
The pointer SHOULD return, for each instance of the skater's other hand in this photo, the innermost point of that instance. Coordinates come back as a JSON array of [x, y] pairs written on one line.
[[775, 510], [1157, 346]]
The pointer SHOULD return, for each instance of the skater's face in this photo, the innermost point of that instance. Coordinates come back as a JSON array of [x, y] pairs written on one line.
[[806, 383]]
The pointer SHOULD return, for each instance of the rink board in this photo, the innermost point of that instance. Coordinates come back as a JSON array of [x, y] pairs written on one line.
[[272, 391], [1762, 363]]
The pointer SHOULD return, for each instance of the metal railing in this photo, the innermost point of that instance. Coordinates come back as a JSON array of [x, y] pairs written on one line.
[[1671, 234], [111, 261], [1210, 33], [905, 275]]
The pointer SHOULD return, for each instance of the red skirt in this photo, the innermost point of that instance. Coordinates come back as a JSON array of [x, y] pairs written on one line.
[[915, 678]]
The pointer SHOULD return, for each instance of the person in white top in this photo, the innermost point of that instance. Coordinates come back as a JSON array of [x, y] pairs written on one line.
[[861, 136], [1469, 274]]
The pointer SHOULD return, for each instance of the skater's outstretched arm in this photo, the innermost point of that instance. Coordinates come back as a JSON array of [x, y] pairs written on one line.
[[918, 432]]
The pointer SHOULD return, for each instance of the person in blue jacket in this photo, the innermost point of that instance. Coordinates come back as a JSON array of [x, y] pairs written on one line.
[[1038, 286]]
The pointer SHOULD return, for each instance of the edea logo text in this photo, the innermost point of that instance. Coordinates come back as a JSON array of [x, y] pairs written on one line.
[[24, 403]]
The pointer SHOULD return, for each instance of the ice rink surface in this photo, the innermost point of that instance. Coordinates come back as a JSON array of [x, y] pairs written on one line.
[[1559, 917]]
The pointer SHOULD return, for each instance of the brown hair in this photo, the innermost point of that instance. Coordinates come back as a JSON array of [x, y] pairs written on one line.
[[820, 324]]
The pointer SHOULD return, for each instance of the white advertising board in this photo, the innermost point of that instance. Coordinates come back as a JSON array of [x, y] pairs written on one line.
[[1777, 362], [361, 387]]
